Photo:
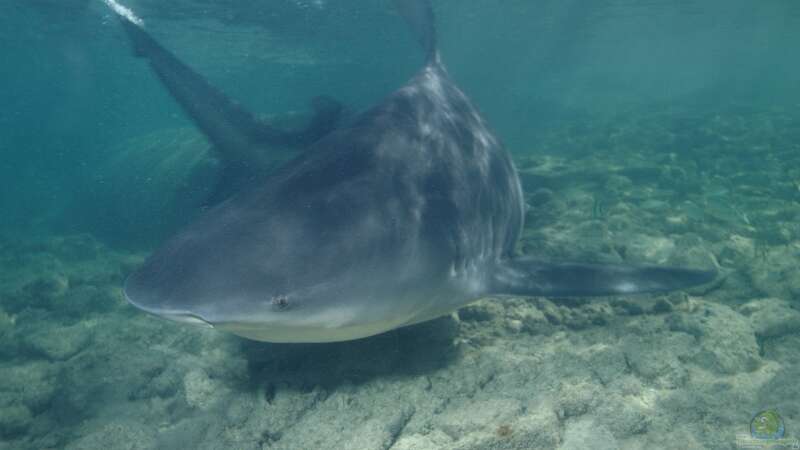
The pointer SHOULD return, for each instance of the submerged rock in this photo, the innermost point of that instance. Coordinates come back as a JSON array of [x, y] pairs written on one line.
[[433, 440], [201, 390], [584, 434], [33, 385], [772, 317], [473, 417], [119, 434], [59, 342], [727, 341], [775, 273], [14, 420]]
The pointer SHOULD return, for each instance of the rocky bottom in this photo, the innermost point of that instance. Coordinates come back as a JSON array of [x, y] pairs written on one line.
[[80, 369]]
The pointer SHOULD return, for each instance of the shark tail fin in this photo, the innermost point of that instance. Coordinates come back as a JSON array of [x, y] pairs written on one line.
[[419, 16], [529, 277]]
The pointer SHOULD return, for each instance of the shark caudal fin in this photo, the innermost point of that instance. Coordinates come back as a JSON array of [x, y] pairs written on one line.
[[419, 16], [236, 134], [528, 277]]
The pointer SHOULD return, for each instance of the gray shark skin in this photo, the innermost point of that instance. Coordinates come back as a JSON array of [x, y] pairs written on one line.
[[406, 214]]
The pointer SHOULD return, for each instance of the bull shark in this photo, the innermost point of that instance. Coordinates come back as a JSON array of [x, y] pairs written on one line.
[[406, 213]]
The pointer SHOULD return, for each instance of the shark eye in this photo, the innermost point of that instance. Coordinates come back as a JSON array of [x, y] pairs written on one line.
[[280, 302]]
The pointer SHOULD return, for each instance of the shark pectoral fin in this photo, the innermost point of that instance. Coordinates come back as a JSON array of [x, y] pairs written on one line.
[[237, 135], [529, 277], [227, 125]]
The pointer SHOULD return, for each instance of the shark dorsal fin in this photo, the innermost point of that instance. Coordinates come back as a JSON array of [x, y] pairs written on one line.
[[419, 16]]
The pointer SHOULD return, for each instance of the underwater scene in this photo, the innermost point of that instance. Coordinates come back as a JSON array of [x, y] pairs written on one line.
[[399, 225]]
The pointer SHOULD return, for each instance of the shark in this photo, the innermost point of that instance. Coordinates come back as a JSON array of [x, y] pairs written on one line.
[[406, 213]]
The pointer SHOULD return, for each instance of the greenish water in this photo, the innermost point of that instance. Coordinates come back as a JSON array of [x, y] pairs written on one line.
[[660, 132]]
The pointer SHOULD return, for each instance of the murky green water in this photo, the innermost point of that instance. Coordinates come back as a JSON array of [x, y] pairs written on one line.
[[657, 132]]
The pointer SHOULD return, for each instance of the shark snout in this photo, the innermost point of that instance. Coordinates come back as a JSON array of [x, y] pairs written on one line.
[[147, 300]]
